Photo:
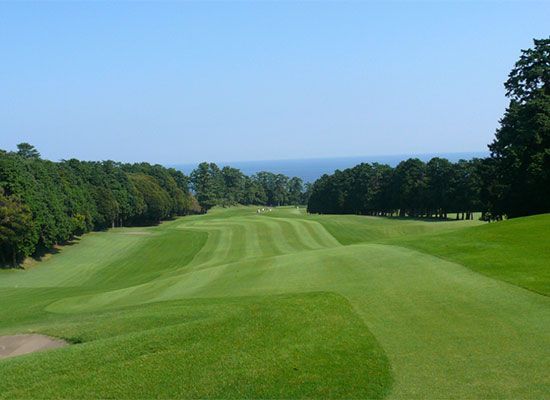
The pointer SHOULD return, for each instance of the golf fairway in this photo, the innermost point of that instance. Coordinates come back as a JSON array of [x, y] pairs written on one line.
[[235, 304]]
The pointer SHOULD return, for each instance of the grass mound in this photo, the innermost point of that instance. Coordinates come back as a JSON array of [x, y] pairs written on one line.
[[293, 346]]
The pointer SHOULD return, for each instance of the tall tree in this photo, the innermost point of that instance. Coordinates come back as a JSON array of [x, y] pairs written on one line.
[[295, 189], [233, 185], [439, 178], [27, 150], [207, 182], [521, 148], [409, 187]]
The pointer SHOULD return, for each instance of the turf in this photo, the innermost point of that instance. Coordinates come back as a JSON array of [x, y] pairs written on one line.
[[516, 251], [287, 305]]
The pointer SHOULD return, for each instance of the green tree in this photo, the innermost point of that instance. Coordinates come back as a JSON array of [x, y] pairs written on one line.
[[409, 187], [17, 236], [439, 180], [207, 183], [157, 201], [521, 148], [295, 189], [254, 192], [27, 150], [233, 185]]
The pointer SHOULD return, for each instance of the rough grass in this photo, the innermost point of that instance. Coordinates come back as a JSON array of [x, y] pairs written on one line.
[[286, 305]]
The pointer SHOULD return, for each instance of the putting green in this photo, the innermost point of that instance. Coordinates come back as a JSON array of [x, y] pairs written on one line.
[[360, 306]]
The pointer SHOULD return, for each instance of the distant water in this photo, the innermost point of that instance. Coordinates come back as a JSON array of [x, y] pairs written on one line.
[[312, 168]]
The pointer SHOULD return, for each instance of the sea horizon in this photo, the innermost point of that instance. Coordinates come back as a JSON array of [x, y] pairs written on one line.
[[310, 169]]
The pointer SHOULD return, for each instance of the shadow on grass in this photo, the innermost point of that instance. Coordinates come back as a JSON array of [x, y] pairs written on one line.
[[424, 219], [40, 254]]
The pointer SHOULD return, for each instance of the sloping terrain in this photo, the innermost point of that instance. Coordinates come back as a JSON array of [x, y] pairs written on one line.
[[285, 305]]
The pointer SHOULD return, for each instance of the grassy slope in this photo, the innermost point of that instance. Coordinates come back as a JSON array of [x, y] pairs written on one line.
[[234, 304], [352, 229], [516, 251]]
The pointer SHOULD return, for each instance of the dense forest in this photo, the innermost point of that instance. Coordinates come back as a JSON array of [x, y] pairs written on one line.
[[227, 186], [412, 188], [44, 203], [514, 181]]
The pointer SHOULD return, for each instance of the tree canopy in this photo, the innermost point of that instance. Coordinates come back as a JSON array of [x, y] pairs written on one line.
[[229, 186], [412, 188], [520, 151]]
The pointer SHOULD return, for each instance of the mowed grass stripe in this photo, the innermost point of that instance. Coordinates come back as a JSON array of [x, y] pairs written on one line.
[[303, 237], [319, 234], [216, 247], [264, 231]]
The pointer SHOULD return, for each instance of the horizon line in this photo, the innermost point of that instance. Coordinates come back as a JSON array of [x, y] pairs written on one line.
[[487, 152]]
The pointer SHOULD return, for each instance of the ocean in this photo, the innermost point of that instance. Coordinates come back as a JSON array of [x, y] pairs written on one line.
[[310, 169]]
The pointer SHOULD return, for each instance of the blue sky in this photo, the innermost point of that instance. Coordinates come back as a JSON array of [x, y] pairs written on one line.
[[184, 82]]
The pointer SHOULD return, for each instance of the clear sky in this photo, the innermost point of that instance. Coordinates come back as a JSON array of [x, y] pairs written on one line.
[[185, 82]]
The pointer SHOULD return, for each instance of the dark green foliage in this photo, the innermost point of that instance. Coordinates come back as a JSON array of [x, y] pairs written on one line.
[[409, 187], [439, 187], [254, 192], [17, 236], [531, 74], [158, 204], [229, 186], [234, 184], [207, 182], [275, 187], [413, 188], [520, 152], [106, 207], [45, 203], [27, 150], [295, 189]]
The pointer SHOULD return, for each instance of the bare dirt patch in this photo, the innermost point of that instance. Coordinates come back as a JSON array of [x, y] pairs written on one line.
[[16, 345]]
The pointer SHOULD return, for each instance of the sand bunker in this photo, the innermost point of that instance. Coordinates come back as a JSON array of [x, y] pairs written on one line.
[[16, 345]]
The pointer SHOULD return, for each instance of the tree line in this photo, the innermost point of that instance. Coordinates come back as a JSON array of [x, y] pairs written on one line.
[[44, 203], [214, 186], [513, 181], [412, 188]]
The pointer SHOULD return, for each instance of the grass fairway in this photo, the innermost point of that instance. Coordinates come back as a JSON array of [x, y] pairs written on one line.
[[284, 305]]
